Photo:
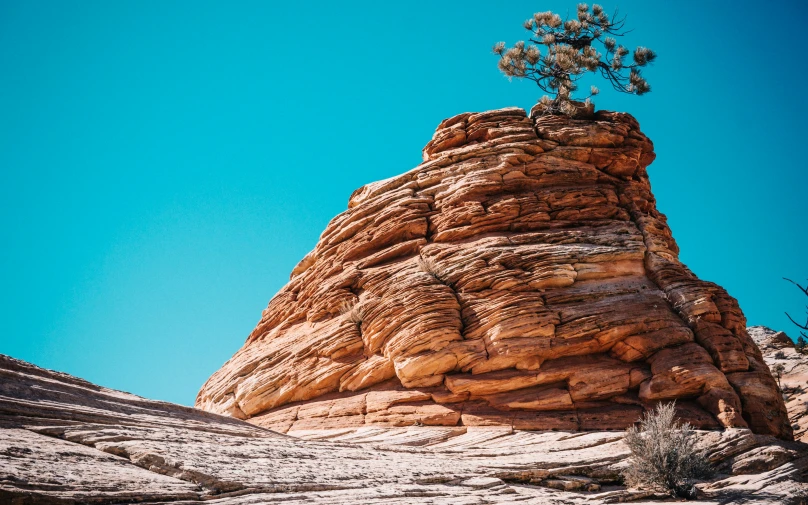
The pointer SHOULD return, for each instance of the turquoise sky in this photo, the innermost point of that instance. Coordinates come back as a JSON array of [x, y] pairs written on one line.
[[165, 164]]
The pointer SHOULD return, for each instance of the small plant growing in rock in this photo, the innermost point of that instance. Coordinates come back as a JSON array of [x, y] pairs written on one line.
[[780, 355], [560, 52], [802, 345], [664, 457], [778, 370]]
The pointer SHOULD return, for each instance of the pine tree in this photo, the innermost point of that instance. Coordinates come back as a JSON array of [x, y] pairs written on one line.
[[570, 51]]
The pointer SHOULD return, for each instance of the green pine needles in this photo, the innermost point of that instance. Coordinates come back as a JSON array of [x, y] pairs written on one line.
[[559, 53]]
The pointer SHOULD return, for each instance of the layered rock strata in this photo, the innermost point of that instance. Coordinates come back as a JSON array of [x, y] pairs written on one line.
[[779, 349], [520, 276], [67, 441]]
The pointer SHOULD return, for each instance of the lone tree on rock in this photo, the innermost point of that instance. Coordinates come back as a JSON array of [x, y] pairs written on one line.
[[571, 51]]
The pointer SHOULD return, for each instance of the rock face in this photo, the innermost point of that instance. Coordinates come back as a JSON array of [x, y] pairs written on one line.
[[779, 349], [520, 276], [66, 441]]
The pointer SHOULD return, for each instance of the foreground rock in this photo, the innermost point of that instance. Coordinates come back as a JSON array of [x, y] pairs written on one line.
[[778, 348], [520, 277], [65, 441]]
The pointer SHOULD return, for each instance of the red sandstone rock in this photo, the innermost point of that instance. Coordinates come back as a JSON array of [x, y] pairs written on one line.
[[520, 276]]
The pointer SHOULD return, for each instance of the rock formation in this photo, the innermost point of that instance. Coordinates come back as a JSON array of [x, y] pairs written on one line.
[[520, 276], [778, 348], [66, 441]]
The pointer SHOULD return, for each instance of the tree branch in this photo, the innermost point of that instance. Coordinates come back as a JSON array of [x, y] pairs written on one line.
[[571, 53], [805, 291]]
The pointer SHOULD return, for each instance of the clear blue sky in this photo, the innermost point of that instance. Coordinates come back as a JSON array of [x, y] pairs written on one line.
[[165, 164]]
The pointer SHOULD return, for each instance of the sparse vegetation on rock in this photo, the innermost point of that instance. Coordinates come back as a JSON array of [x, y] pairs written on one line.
[[560, 52], [777, 371], [128, 449], [802, 345], [664, 455]]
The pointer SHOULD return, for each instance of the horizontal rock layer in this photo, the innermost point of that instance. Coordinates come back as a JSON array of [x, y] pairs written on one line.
[[520, 276], [67, 441]]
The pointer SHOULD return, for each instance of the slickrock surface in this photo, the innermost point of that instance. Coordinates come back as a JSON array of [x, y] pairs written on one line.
[[778, 348], [67, 441], [521, 276]]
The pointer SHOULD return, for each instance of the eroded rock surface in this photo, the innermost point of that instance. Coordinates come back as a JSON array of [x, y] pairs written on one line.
[[66, 441], [521, 276], [778, 348]]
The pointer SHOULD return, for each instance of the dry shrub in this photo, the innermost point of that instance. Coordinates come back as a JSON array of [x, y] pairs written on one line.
[[663, 454]]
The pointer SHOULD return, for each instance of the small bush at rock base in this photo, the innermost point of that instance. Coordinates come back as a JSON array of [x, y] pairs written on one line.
[[663, 454]]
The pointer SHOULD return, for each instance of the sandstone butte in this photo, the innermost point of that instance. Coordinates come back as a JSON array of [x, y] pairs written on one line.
[[520, 276]]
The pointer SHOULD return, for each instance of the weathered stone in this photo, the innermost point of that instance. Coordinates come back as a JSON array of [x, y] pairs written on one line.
[[66, 441], [534, 398], [778, 348], [521, 270]]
